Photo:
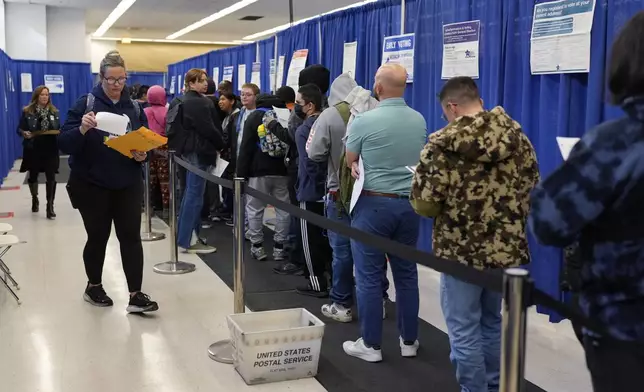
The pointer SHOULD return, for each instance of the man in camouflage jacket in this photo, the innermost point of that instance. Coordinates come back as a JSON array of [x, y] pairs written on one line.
[[474, 178]]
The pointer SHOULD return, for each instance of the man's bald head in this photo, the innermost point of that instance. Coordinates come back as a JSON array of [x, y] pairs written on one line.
[[391, 81]]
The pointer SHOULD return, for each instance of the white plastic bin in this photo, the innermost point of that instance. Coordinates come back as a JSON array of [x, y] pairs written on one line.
[[278, 345]]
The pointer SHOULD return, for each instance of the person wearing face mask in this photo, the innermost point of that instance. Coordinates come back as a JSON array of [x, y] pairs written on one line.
[[105, 185], [39, 125], [197, 139], [474, 178]]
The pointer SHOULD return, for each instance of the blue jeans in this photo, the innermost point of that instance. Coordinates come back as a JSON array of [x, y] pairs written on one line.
[[394, 219], [342, 267], [191, 204], [473, 317]]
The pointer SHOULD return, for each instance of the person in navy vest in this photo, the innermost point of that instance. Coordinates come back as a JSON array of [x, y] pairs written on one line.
[[106, 186]]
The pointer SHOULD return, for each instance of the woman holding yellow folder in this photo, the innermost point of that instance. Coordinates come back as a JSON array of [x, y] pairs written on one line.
[[39, 125]]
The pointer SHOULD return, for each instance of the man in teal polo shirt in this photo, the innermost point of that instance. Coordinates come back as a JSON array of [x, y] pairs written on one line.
[[388, 139]]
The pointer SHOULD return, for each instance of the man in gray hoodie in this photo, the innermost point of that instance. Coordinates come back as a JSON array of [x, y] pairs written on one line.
[[325, 144]]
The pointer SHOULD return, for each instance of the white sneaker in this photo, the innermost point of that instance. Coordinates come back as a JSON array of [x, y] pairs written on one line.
[[337, 312], [359, 350], [409, 351]]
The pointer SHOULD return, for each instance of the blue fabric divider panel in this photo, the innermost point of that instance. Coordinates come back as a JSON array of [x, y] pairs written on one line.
[[145, 78], [9, 140], [266, 54], [303, 36]]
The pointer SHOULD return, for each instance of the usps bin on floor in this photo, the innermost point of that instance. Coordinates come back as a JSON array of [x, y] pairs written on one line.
[[277, 345]]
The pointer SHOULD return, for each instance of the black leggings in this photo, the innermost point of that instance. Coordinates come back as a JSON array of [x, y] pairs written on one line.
[[99, 207], [50, 175]]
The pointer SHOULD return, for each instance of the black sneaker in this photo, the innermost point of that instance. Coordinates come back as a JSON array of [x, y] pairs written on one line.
[[309, 291], [289, 268], [96, 296], [140, 303]]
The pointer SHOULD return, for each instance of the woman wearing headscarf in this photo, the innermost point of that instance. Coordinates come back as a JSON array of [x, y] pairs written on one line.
[[39, 126], [105, 185], [156, 113]]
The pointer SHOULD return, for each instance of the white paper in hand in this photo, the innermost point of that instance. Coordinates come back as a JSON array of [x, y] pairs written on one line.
[[566, 145], [220, 166], [112, 123], [412, 169], [282, 116], [357, 186]]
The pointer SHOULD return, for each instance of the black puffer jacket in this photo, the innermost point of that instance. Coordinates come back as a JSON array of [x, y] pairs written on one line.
[[252, 162]]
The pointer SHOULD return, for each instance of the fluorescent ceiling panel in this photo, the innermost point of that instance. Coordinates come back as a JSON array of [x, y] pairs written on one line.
[[168, 41], [120, 9], [287, 25], [209, 19]]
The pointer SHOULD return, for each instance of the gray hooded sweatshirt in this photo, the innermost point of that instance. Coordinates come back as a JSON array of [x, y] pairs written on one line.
[[325, 141]]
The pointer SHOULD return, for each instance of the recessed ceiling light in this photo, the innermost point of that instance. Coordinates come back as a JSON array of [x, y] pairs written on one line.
[[209, 19], [120, 9], [287, 25]]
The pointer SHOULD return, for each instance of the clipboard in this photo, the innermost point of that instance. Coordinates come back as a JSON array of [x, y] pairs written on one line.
[[142, 140]]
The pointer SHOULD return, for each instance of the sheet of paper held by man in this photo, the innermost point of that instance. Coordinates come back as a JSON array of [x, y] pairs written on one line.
[[357, 186], [112, 123], [566, 145], [282, 116], [220, 166]]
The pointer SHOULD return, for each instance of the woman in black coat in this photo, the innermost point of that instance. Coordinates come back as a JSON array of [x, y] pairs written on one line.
[[39, 126]]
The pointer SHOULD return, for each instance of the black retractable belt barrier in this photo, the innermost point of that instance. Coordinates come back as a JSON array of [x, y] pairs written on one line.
[[487, 279]]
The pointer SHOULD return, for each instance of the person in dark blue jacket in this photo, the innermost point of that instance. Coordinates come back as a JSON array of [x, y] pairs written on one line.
[[595, 197], [106, 186], [310, 189]]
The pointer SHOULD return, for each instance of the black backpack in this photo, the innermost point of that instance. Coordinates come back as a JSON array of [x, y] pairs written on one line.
[[174, 124]]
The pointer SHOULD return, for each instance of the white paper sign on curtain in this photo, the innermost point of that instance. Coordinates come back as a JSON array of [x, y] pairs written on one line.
[[215, 75], [256, 75], [400, 49], [298, 63], [280, 72], [173, 82], [228, 73], [55, 84], [560, 40], [349, 58], [26, 84], [241, 76], [461, 49], [179, 85], [273, 72]]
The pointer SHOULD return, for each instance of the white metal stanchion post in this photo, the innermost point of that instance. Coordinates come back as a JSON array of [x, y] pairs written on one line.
[[222, 351], [148, 235], [174, 266], [516, 288]]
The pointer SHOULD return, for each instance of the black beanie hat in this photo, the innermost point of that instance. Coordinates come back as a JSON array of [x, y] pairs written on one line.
[[212, 87], [317, 74]]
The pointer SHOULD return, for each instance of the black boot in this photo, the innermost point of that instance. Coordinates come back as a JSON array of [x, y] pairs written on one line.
[[51, 195], [35, 203]]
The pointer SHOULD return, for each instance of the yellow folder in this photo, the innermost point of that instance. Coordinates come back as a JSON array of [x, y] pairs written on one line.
[[142, 140]]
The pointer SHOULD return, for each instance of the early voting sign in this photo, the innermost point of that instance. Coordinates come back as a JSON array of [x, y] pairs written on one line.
[[461, 49], [55, 84], [400, 49], [560, 41]]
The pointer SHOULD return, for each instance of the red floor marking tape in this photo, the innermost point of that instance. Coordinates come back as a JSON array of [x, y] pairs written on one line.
[[5, 215], [9, 188]]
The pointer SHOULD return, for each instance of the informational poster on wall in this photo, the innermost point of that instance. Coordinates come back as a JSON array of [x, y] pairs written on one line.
[[228, 73], [26, 84], [215, 75], [179, 85], [241, 76], [461, 49], [173, 82], [400, 49], [256, 75], [560, 41], [273, 73], [298, 63], [349, 58], [55, 84], [280, 72]]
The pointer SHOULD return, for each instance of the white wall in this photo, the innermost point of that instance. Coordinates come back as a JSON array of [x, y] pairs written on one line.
[[98, 51], [66, 34], [26, 31], [3, 43]]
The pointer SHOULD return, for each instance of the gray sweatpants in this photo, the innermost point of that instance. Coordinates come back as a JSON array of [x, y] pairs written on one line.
[[277, 187]]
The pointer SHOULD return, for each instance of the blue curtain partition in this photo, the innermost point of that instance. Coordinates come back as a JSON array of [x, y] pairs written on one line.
[[146, 78], [266, 53], [233, 57], [9, 112], [302, 36]]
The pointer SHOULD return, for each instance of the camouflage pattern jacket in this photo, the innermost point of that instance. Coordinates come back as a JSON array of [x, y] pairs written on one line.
[[475, 177]]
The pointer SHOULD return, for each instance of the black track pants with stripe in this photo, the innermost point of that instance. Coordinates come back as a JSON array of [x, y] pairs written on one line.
[[316, 248]]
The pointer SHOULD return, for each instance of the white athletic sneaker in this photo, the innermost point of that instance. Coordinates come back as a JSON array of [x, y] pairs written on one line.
[[337, 312], [409, 351], [359, 350]]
